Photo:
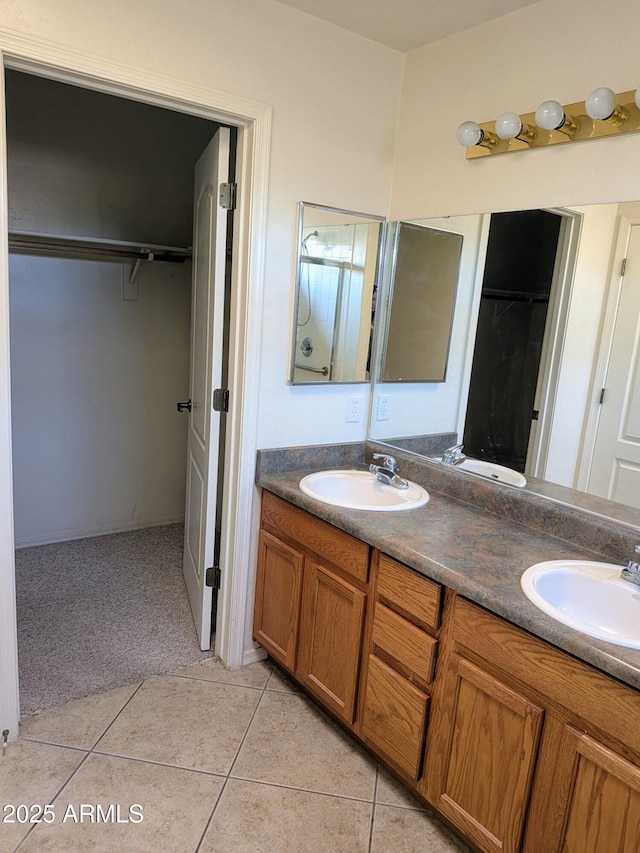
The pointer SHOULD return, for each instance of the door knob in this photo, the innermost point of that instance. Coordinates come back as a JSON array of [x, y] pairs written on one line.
[[182, 406]]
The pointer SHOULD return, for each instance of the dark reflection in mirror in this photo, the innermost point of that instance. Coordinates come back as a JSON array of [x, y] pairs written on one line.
[[518, 275]]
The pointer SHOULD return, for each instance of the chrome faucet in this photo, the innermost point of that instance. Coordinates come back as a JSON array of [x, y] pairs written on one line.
[[632, 571], [453, 455], [387, 472]]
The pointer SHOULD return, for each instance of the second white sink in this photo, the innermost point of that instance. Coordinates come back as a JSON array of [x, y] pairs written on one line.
[[587, 596], [492, 471], [361, 490]]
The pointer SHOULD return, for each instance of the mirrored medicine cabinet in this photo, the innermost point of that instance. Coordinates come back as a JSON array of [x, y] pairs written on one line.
[[342, 259], [337, 268]]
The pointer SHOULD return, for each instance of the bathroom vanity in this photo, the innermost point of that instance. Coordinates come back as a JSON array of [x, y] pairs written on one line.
[[411, 630]]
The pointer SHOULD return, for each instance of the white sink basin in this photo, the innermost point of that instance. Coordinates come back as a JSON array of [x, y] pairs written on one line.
[[493, 472], [587, 596], [361, 490]]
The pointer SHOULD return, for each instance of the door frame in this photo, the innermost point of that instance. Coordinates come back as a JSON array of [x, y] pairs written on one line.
[[239, 509], [554, 339]]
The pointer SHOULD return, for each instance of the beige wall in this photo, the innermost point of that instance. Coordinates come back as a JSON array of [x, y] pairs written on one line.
[[560, 49]]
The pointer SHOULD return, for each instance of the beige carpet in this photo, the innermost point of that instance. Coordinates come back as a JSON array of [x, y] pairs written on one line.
[[98, 613]]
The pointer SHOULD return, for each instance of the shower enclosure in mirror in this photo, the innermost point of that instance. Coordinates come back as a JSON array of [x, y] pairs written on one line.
[[336, 283]]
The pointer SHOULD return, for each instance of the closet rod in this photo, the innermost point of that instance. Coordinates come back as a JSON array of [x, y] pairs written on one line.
[[96, 248], [514, 296]]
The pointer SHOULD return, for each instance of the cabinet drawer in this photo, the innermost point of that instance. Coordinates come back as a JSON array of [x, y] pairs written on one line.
[[315, 536], [404, 642], [409, 592], [394, 717]]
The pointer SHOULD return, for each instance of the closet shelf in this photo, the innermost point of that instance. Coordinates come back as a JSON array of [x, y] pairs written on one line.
[[93, 248]]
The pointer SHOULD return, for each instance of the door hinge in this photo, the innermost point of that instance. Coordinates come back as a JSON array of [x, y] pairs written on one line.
[[623, 266], [221, 400], [601, 400], [228, 196], [535, 414], [213, 577]]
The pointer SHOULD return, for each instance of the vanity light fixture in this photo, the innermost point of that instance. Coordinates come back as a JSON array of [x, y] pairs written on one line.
[[469, 133], [602, 104], [550, 115], [510, 126], [603, 113]]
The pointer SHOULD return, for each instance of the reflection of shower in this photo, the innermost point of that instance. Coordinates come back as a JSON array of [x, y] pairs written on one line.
[[303, 245], [303, 248]]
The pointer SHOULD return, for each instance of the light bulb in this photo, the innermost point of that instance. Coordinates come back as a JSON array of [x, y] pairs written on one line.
[[550, 115], [601, 103], [637, 98], [469, 134], [508, 125]]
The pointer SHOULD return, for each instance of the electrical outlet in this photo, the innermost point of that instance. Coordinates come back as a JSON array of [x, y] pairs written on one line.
[[384, 404], [354, 409]]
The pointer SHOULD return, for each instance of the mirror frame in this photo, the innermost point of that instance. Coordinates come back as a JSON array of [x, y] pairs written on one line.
[[366, 218]]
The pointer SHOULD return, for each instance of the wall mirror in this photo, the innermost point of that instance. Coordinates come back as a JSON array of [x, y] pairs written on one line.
[[336, 285], [544, 365], [422, 287]]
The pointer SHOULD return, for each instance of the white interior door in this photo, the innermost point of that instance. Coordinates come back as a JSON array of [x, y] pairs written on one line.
[[615, 471], [207, 321]]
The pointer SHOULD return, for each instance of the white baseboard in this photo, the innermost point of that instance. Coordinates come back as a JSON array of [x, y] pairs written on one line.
[[50, 537], [253, 655]]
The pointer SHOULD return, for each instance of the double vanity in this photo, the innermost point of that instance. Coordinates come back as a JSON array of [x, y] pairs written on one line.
[[412, 629]]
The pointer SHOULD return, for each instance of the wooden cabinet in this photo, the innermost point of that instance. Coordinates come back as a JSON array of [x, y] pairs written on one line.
[[586, 798], [400, 664], [332, 622], [482, 769], [311, 592], [278, 598], [521, 747], [530, 750]]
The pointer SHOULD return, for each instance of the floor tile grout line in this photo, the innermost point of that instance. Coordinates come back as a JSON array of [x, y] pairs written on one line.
[[283, 787], [218, 774], [135, 692], [57, 794], [246, 731], [212, 815], [228, 776], [207, 681], [55, 743], [373, 807]]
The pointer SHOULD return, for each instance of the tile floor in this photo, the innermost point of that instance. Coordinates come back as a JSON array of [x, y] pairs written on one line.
[[217, 762]]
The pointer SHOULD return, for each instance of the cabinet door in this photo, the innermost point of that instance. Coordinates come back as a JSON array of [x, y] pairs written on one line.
[[332, 620], [394, 717], [278, 597], [483, 743], [586, 798]]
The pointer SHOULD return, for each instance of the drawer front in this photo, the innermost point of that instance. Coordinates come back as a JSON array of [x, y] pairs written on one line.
[[409, 592], [394, 717], [315, 536], [405, 643]]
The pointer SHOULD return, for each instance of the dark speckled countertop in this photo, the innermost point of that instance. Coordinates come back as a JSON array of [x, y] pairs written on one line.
[[478, 553]]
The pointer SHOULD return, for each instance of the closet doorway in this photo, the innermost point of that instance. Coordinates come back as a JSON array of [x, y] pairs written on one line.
[[522, 315], [100, 356]]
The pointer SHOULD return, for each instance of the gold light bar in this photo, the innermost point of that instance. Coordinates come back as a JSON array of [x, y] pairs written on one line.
[[577, 125]]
